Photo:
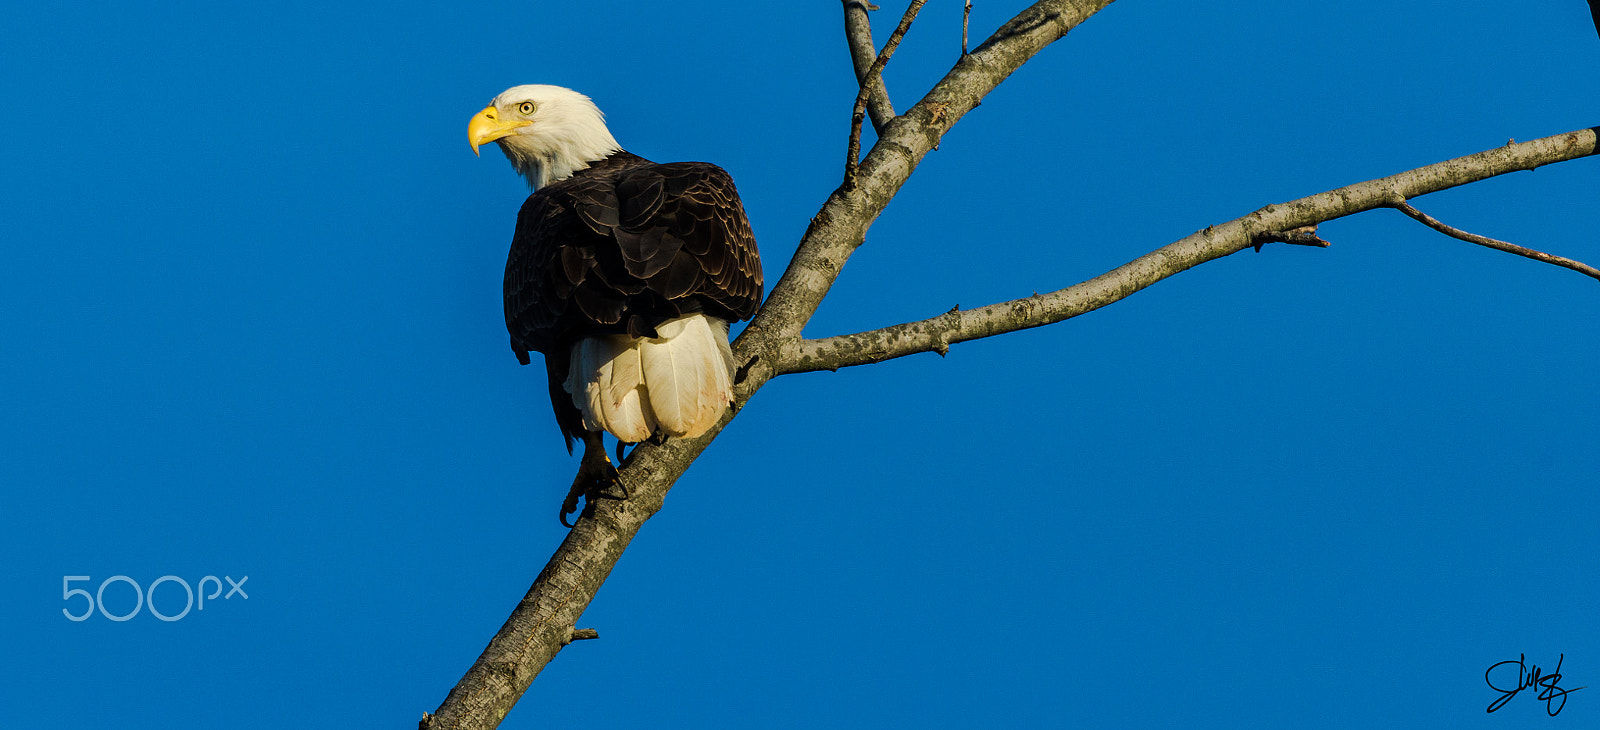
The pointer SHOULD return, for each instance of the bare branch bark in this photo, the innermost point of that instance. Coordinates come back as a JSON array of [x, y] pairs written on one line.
[[863, 51], [874, 74], [582, 635], [966, 16], [1306, 236], [840, 226], [938, 333], [1494, 243]]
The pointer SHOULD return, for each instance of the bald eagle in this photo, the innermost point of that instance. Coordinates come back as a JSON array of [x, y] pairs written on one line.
[[623, 273]]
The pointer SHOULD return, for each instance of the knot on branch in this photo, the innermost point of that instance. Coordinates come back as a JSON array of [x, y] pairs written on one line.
[[580, 635], [1302, 236]]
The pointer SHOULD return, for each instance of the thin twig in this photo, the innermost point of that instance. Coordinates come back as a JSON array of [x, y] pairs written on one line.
[[863, 51], [873, 74], [1434, 223], [966, 15]]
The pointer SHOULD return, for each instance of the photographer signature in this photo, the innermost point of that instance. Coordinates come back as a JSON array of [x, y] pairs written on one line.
[[1549, 692]]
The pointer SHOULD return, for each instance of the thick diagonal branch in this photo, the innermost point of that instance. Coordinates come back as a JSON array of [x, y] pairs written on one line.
[[938, 333], [863, 51], [1495, 243]]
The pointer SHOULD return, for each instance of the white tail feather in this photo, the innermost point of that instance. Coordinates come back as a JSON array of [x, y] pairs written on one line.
[[672, 374], [624, 403], [604, 379], [678, 383]]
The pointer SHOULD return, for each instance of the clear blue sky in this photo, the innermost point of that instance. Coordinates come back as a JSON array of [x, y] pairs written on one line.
[[252, 327]]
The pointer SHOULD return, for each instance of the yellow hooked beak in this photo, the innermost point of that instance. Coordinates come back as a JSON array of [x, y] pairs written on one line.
[[487, 127]]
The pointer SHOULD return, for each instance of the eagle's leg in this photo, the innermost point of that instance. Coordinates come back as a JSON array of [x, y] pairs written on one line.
[[596, 476]]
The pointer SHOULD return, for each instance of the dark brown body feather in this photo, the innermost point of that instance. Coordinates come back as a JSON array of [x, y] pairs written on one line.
[[618, 248]]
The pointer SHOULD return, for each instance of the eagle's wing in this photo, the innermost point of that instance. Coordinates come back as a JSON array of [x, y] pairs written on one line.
[[682, 230], [620, 252]]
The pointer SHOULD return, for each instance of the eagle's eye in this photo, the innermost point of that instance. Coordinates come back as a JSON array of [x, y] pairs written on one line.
[[526, 108]]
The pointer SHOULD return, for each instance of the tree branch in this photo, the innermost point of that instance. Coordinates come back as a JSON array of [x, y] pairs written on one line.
[[840, 226], [863, 51], [966, 15], [582, 635], [874, 75], [938, 333], [1493, 243], [1306, 236]]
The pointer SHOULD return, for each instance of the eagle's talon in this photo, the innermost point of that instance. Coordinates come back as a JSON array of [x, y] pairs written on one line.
[[595, 478], [601, 484], [568, 506], [616, 479]]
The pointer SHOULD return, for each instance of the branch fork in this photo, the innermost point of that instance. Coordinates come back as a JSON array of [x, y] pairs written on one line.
[[872, 80]]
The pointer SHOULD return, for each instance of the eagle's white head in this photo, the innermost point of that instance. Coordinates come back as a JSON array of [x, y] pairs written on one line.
[[547, 132]]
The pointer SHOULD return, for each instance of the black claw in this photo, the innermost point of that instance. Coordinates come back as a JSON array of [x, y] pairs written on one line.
[[594, 480], [568, 506]]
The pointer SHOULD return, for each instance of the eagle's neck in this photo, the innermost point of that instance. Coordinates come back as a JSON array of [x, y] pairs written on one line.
[[553, 153]]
